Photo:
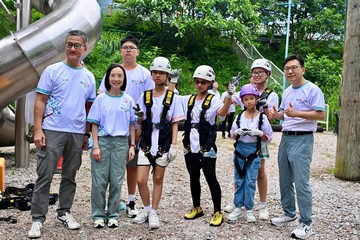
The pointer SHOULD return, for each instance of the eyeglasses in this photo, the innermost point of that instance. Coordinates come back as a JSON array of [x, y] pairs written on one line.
[[77, 46], [293, 68], [131, 49], [200, 82], [259, 73]]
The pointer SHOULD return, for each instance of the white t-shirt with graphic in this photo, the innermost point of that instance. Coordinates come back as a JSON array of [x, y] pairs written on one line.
[[174, 114], [68, 90], [307, 97], [113, 114]]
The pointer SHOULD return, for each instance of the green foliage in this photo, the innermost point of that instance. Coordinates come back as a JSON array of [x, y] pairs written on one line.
[[326, 73], [105, 53], [187, 27], [6, 24]]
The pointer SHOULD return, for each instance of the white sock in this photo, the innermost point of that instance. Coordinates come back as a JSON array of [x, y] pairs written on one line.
[[131, 197], [262, 204]]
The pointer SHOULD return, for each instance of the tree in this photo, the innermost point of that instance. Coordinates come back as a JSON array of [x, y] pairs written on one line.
[[187, 26], [347, 164], [315, 26]]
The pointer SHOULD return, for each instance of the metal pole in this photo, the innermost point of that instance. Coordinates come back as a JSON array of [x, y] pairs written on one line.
[[287, 39], [10, 16], [22, 146]]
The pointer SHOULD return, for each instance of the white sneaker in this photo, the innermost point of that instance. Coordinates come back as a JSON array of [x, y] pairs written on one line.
[[141, 217], [250, 216], [131, 209], [229, 208], [302, 231], [35, 231], [235, 214], [113, 223], [153, 220], [282, 220], [263, 213], [68, 221], [99, 223]]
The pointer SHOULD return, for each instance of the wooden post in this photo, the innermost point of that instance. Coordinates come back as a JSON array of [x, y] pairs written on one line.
[[2, 175], [347, 163]]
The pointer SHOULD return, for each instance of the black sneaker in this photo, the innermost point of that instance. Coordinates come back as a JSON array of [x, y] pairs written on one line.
[[131, 209]]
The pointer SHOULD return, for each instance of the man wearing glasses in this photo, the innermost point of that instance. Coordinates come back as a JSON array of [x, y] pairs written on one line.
[[64, 95], [301, 106], [138, 81]]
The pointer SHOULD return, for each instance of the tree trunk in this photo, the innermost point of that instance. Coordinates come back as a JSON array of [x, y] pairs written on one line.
[[347, 163]]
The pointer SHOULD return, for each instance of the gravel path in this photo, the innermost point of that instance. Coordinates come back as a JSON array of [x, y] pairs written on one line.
[[336, 204]]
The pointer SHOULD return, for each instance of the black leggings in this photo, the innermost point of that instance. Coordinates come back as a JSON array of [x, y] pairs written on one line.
[[229, 119], [194, 162]]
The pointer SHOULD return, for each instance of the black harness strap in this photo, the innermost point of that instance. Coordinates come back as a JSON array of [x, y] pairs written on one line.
[[21, 198], [206, 131], [249, 159], [187, 124], [165, 130]]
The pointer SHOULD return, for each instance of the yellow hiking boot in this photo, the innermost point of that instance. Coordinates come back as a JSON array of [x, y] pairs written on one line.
[[217, 219], [195, 212]]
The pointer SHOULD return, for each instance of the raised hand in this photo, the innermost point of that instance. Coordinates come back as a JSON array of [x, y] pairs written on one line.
[[138, 112], [231, 90], [291, 111], [174, 75], [236, 80], [262, 103]]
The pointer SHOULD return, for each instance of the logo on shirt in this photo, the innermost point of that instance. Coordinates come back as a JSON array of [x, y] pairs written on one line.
[[65, 80], [137, 82], [301, 101], [84, 84]]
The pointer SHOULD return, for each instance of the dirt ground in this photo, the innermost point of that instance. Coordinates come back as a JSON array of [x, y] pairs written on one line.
[[336, 203]]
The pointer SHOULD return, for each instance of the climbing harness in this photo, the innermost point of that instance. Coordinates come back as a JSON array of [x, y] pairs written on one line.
[[21, 198], [164, 126], [249, 159], [207, 132]]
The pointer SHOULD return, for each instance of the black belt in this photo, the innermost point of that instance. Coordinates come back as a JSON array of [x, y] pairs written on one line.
[[296, 132]]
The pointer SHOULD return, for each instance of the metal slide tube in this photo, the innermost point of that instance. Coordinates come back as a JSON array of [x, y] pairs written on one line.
[[27, 52]]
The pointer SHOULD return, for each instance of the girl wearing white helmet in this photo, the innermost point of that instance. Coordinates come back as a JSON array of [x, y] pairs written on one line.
[[159, 111], [201, 110], [250, 129], [260, 71]]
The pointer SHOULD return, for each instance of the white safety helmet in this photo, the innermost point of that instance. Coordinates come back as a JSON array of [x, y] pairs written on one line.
[[261, 63], [204, 72], [160, 64]]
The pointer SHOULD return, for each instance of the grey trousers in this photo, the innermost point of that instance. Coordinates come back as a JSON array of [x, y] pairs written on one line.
[[109, 173], [69, 145]]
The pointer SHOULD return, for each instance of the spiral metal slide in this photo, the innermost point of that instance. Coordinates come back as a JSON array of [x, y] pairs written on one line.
[[26, 53]]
